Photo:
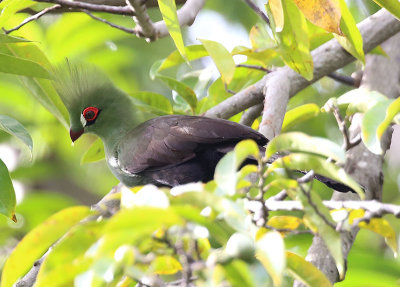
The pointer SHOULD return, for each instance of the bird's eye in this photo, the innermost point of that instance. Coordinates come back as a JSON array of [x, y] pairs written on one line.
[[90, 113]]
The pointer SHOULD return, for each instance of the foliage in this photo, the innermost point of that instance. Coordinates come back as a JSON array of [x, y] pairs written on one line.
[[219, 232]]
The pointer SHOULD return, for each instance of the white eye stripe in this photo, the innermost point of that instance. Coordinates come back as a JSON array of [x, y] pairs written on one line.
[[83, 121]]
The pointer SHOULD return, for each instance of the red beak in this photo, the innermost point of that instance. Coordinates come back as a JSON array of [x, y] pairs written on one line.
[[75, 134]]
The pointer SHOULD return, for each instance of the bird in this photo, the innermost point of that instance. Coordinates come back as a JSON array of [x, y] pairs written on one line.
[[164, 151]]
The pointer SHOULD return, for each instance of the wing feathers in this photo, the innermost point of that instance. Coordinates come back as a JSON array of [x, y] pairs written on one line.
[[171, 140]]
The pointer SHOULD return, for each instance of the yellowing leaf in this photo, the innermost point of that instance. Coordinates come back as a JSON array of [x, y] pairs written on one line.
[[293, 40], [378, 225], [166, 265], [323, 13], [277, 13], [284, 222]]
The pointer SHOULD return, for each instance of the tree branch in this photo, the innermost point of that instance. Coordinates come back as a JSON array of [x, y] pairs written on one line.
[[144, 25], [378, 209], [251, 115], [119, 10], [136, 8], [327, 58]]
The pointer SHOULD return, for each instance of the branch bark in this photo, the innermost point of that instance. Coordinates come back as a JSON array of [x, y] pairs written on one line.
[[375, 207]]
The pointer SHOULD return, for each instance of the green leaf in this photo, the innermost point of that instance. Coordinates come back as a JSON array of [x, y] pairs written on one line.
[[72, 246], [293, 40], [270, 251], [11, 39], [193, 52], [298, 161], [226, 175], [94, 153], [170, 17], [298, 115], [304, 271], [378, 50], [266, 57], [359, 100], [18, 66], [152, 102], [219, 230], [144, 220], [13, 127], [391, 112], [41, 89], [7, 193], [259, 38], [240, 246], [393, 6], [37, 241], [148, 218], [314, 221], [10, 7], [238, 274], [375, 122], [352, 41], [183, 90], [299, 142], [165, 265], [222, 59]]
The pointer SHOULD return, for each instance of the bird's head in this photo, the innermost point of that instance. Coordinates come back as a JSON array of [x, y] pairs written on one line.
[[94, 104]]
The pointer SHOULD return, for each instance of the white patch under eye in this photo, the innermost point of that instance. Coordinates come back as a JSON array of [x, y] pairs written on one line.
[[83, 121]]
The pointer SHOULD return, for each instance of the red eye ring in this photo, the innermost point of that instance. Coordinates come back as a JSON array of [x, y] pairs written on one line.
[[90, 113]]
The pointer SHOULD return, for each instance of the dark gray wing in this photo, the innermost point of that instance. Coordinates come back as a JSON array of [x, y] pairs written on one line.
[[172, 140]]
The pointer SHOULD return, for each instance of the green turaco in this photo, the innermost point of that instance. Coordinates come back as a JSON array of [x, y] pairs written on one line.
[[164, 151]]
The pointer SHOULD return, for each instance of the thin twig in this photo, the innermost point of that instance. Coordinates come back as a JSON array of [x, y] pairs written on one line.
[[347, 143], [307, 178], [343, 79], [186, 260], [127, 30], [254, 67], [253, 6], [120, 10], [33, 17]]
